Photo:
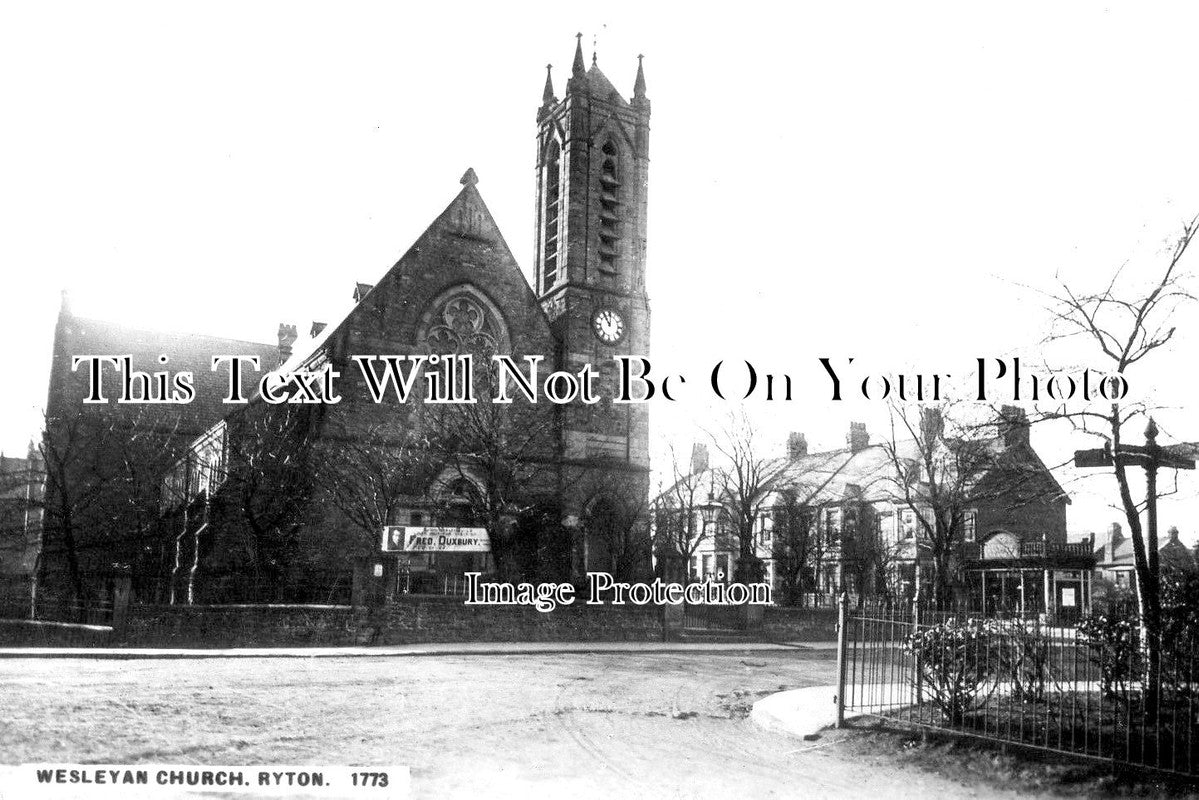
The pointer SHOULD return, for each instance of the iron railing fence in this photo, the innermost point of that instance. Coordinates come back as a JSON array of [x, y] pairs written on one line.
[[16, 596], [96, 611], [55, 604], [451, 584], [331, 588], [1013, 678]]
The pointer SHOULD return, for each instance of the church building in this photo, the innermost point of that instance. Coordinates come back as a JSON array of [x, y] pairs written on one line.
[[291, 495]]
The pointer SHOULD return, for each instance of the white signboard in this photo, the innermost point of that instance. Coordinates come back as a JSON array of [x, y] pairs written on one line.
[[1068, 598], [421, 539]]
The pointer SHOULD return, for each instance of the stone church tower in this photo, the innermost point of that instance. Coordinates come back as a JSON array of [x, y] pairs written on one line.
[[592, 177]]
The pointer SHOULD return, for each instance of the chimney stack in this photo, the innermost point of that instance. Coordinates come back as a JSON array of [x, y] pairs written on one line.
[[932, 424], [699, 458], [858, 439], [287, 337], [1013, 426], [1114, 537], [797, 445], [317, 327]]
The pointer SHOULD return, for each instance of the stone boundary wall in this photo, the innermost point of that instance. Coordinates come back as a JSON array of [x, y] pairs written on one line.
[[221, 626], [782, 624], [409, 620], [39, 633], [447, 620]]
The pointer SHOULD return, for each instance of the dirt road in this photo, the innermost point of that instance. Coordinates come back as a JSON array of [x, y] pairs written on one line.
[[579, 726]]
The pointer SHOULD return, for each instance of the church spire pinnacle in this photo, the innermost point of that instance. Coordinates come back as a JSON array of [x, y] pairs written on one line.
[[547, 96], [578, 70], [639, 84]]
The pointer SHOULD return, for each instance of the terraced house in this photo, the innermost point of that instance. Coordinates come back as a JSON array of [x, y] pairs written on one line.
[[880, 518]]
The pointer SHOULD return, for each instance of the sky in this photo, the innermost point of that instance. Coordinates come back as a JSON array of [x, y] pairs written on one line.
[[896, 183]]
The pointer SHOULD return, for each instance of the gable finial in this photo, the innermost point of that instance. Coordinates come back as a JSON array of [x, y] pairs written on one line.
[[469, 178]]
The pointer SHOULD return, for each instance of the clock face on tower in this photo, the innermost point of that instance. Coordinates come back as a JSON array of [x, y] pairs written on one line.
[[607, 326]]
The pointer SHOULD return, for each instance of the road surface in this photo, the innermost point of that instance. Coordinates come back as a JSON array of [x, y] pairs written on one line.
[[575, 725]]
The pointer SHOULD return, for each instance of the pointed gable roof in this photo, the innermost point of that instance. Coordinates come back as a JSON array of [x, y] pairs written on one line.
[[601, 87], [463, 243]]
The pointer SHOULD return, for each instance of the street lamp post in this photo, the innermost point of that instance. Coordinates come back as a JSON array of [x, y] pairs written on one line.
[[709, 512]]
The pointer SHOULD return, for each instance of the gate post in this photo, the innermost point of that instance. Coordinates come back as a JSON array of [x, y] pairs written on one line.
[[842, 642], [122, 585], [368, 584], [919, 677], [673, 571]]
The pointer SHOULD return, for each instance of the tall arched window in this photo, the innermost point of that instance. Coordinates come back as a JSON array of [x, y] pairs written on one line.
[[609, 227], [552, 192]]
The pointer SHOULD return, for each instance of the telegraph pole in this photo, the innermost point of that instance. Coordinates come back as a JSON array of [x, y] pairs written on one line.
[[1151, 457]]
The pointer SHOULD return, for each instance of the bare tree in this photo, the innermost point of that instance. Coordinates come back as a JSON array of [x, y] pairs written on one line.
[[20, 485], [100, 499], [1125, 325], [269, 484], [370, 473], [795, 545], [867, 555], [803, 545], [940, 463], [679, 529], [502, 457], [745, 481]]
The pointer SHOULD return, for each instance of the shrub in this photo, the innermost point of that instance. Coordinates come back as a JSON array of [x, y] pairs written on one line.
[[1111, 639], [1180, 603], [1023, 653], [958, 664]]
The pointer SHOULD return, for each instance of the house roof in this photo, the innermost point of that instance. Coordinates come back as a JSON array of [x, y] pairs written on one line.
[[836, 474], [868, 473], [183, 351], [1123, 556]]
